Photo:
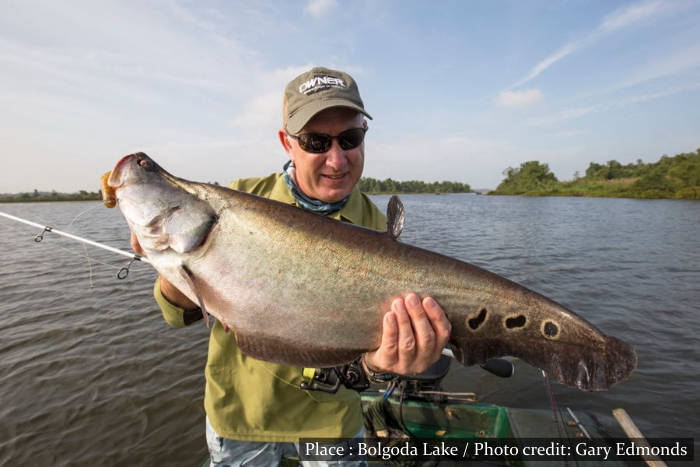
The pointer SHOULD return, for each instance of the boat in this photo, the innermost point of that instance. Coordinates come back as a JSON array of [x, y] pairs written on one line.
[[418, 408], [413, 410]]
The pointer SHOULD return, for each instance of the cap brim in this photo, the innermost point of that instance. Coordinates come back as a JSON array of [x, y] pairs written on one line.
[[301, 117]]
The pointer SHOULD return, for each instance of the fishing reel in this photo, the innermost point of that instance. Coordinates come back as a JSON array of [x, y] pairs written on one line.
[[353, 376], [350, 375]]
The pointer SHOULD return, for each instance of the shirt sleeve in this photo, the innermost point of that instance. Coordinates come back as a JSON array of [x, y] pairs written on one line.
[[173, 315]]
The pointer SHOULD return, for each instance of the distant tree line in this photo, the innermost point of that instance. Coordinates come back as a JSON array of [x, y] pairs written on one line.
[[613, 169], [367, 185], [36, 195], [669, 177], [372, 185]]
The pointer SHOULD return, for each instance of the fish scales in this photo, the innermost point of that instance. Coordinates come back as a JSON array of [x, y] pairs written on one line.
[[301, 289]]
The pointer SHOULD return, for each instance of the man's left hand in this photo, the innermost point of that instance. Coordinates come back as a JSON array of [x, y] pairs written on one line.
[[414, 333]]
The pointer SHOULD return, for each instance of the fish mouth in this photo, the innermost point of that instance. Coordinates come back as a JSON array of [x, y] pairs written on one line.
[[134, 168], [116, 177], [131, 167]]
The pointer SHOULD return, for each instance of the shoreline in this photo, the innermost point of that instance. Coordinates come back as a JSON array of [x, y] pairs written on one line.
[[68, 198], [48, 199]]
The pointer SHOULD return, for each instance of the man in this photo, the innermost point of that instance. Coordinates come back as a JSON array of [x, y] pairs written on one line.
[[256, 410]]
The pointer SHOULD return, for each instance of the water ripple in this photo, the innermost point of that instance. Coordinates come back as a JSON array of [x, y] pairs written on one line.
[[88, 361]]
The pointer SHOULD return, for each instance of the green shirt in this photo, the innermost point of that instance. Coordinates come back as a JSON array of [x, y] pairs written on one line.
[[254, 400]]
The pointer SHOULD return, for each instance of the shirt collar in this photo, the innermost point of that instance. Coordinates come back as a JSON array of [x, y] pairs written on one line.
[[351, 212]]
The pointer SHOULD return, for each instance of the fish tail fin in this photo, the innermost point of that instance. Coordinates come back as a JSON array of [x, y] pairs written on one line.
[[587, 366]]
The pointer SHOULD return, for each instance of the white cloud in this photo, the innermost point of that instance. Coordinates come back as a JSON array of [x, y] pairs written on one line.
[[264, 111], [655, 95], [546, 63], [677, 62], [629, 15], [318, 8], [189, 17], [514, 99], [569, 114], [261, 113], [618, 19]]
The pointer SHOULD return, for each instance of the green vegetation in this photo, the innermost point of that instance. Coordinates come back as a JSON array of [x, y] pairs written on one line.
[[530, 177], [670, 177], [82, 195], [367, 185], [374, 186]]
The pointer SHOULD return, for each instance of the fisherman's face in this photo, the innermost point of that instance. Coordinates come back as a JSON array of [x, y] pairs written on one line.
[[329, 176]]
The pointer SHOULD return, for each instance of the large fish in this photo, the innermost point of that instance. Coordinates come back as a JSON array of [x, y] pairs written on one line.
[[301, 289]]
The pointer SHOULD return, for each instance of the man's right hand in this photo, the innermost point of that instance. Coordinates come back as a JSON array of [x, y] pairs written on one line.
[[169, 291], [135, 245]]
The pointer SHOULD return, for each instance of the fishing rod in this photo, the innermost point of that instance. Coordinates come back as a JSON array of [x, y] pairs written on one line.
[[123, 272]]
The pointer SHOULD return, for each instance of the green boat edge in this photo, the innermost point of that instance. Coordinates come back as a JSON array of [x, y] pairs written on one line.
[[458, 419], [395, 420]]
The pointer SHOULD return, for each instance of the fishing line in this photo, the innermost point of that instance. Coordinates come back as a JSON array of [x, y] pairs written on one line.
[[87, 257], [558, 418], [87, 254], [89, 260], [80, 214]]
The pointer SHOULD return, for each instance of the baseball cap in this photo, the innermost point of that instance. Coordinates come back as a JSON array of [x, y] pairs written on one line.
[[316, 90]]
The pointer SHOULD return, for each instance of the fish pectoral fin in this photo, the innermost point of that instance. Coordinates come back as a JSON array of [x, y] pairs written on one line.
[[187, 229], [188, 277], [395, 217], [586, 366]]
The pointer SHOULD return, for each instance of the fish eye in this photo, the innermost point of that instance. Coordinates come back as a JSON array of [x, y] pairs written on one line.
[[145, 163]]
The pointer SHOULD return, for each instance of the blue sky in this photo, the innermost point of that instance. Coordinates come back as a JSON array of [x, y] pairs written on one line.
[[458, 90]]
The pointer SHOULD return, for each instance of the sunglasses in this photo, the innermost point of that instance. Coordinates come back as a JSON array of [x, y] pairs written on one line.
[[318, 143]]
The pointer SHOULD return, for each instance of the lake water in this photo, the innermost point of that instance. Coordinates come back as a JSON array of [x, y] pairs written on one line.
[[92, 375]]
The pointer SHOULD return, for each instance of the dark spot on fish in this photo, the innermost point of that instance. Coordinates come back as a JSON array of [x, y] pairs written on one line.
[[516, 322], [475, 322], [550, 329]]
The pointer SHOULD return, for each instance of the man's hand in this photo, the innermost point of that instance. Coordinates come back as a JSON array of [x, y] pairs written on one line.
[[413, 335], [169, 291], [135, 245]]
